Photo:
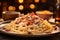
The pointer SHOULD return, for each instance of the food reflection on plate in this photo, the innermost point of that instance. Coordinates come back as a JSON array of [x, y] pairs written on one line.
[[29, 24]]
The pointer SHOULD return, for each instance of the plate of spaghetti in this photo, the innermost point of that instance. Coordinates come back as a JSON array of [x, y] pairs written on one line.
[[29, 25]]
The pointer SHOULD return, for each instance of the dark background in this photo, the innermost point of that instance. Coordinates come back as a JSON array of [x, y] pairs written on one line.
[[39, 6], [48, 5]]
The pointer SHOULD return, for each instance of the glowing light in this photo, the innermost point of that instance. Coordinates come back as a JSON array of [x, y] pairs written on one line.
[[57, 18], [32, 6], [36, 1], [43, 1], [21, 7], [3, 12], [20, 1], [57, 22], [11, 8]]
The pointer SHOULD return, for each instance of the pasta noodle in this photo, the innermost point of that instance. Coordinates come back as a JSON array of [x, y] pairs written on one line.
[[29, 24]]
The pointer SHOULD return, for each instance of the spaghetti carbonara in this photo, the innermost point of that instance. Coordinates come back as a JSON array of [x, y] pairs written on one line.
[[29, 24]]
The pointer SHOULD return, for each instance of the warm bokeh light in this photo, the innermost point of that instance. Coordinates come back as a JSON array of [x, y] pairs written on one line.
[[21, 7], [11, 8], [32, 6], [43, 1], [57, 18], [57, 22], [36, 1], [20, 1]]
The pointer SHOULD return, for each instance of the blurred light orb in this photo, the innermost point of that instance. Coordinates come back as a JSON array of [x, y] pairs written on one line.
[[21, 7], [20, 1], [36, 1], [11, 8], [57, 18], [3, 12], [43, 1], [32, 6]]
